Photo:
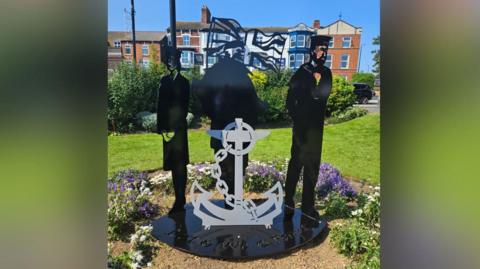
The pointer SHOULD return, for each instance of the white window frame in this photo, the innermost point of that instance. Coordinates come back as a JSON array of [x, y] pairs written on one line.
[[117, 43], [128, 46], [213, 60], [331, 42], [291, 62], [182, 58], [297, 59], [143, 48], [183, 40], [342, 61], [293, 40], [331, 61], [308, 42], [349, 38], [145, 62], [302, 44]]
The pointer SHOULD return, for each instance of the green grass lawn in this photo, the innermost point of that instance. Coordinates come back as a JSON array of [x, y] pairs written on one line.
[[353, 147]]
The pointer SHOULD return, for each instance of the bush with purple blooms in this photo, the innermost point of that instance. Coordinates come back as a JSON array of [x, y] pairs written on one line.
[[261, 176], [128, 201], [330, 179]]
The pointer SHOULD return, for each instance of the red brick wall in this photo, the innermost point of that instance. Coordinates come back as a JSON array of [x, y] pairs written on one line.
[[337, 52], [194, 39], [140, 56]]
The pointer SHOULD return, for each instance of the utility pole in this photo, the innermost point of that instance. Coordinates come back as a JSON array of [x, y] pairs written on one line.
[[173, 33], [132, 13]]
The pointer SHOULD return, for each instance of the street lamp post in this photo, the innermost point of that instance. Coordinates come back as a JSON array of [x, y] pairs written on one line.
[[132, 13], [173, 34]]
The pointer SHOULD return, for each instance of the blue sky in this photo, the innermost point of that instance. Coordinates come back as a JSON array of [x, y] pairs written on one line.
[[153, 15]]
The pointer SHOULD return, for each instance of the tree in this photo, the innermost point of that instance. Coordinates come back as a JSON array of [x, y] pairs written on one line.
[[367, 78], [376, 55]]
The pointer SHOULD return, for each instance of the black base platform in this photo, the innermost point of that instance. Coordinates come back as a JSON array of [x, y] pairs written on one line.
[[185, 232]]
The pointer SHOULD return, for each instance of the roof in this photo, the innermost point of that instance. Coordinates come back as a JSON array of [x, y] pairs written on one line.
[[139, 36], [190, 25], [340, 20], [270, 29]]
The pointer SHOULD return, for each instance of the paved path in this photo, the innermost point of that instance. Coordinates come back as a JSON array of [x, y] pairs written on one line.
[[373, 105]]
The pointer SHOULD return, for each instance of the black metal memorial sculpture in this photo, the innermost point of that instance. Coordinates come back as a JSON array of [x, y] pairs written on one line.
[[172, 110], [307, 98], [234, 227]]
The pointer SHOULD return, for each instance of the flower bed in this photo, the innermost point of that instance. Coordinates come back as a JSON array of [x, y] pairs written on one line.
[[131, 207]]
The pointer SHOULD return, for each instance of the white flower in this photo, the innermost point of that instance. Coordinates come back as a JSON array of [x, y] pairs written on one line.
[[134, 237], [142, 238], [377, 188]]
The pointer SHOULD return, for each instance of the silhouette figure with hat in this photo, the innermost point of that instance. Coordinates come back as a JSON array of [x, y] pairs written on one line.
[[306, 103]]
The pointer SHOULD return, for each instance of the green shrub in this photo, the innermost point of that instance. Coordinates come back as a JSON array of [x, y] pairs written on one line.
[[348, 114], [360, 237], [341, 97], [272, 87], [147, 120], [354, 238], [368, 209], [122, 261], [367, 78], [194, 103], [132, 89], [336, 205]]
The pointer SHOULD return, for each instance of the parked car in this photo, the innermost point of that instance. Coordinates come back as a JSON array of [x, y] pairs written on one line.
[[364, 92]]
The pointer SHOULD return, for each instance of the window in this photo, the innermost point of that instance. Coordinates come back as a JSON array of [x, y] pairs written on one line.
[[331, 42], [145, 62], [344, 61], [282, 63], [292, 60], [309, 41], [328, 61], [128, 49], [257, 63], [259, 39], [212, 60], [116, 43], [298, 60], [347, 42], [145, 49], [186, 40], [185, 57], [228, 37], [301, 41], [293, 41]]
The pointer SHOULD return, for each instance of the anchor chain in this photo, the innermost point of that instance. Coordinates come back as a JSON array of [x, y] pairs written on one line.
[[247, 204]]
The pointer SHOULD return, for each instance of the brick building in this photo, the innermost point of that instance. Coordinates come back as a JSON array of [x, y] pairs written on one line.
[[344, 49], [191, 36], [189, 39], [120, 43]]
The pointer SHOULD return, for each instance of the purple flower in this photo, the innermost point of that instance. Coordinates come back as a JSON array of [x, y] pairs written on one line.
[[330, 179]]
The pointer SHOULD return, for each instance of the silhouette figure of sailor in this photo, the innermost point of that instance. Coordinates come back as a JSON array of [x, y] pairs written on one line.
[[225, 93], [172, 110], [307, 97]]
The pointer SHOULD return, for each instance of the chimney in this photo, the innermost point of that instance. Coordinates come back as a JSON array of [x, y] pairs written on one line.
[[316, 24], [205, 14]]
